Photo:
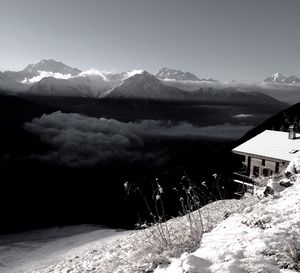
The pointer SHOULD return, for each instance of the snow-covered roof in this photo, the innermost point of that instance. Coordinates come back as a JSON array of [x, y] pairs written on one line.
[[271, 144]]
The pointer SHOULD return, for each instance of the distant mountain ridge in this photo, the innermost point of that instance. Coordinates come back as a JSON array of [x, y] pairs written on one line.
[[147, 86], [50, 65], [281, 78], [172, 74], [177, 75]]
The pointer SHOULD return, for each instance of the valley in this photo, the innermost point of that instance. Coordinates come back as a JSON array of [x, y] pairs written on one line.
[[71, 139]]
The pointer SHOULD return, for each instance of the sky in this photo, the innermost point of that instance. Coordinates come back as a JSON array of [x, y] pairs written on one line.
[[227, 40]]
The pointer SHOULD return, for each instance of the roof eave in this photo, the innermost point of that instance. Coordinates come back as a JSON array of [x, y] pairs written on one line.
[[260, 156]]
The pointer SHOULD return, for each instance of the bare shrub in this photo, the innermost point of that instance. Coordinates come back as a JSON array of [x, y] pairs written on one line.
[[166, 237], [177, 235]]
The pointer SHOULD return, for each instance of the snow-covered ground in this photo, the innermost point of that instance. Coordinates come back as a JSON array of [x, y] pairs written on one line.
[[264, 238], [88, 249], [253, 235], [29, 250]]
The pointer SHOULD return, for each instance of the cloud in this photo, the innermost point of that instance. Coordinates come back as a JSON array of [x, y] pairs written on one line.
[[134, 72], [95, 72], [82, 141], [45, 74], [185, 130], [241, 116], [85, 141]]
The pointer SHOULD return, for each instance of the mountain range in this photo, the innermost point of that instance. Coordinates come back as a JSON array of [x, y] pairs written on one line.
[[147, 86], [52, 78]]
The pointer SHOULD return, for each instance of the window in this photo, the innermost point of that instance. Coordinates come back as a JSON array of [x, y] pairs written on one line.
[[263, 162], [277, 167], [265, 172], [255, 171]]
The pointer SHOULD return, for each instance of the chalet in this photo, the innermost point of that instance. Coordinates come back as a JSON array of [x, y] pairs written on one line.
[[269, 152]]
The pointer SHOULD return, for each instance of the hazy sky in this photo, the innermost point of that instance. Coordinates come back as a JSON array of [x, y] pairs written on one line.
[[222, 39]]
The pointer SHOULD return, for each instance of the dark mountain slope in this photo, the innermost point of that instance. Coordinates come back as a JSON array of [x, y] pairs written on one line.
[[279, 122], [14, 111]]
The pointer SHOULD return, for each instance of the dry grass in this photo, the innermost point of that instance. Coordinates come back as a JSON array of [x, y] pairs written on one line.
[[287, 256], [137, 251], [180, 232]]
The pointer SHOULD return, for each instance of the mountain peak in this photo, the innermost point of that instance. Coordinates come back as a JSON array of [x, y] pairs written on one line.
[[173, 74], [144, 86], [142, 77], [51, 65], [282, 78]]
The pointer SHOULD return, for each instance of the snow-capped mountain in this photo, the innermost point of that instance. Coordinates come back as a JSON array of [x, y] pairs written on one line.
[[44, 67], [33, 73], [111, 76], [8, 84], [51, 86], [173, 74], [81, 86], [281, 78], [89, 83], [177, 75], [52, 66], [145, 86]]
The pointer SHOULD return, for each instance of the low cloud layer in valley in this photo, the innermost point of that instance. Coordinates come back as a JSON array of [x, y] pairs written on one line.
[[78, 140]]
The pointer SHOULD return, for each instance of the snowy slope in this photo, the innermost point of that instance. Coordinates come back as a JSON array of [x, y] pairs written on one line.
[[112, 251], [25, 251], [260, 235], [263, 238]]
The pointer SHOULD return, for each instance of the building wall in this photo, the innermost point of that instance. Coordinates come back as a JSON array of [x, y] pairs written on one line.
[[264, 167]]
